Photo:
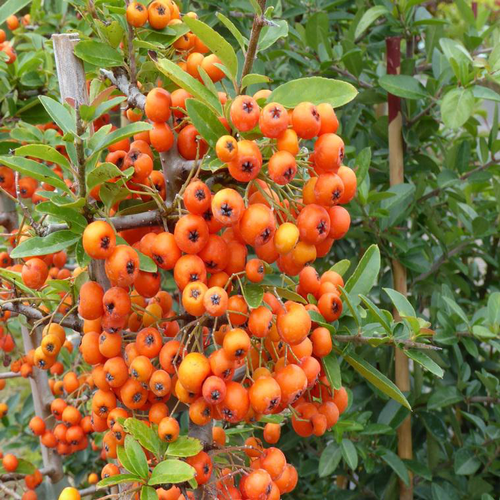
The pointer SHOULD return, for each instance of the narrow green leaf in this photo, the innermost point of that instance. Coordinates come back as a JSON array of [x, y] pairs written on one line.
[[187, 82], [365, 274], [329, 460], [118, 479], [136, 456], [349, 453], [122, 133], [205, 121], [270, 34], [254, 78], [379, 380], [34, 169], [368, 18], [11, 7], [341, 267], [148, 493], [352, 308], [59, 114], [184, 446], [396, 464], [332, 370], [102, 173], [44, 152], [98, 53], [424, 360], [215, 42], [456, 107], [401, 303], [146, 436], [377, 313], [466, 462], [242, 41], [76, 221], [404, 86], [319, 90], [52, 243], [171, 471], [287, 294], [253, 295]]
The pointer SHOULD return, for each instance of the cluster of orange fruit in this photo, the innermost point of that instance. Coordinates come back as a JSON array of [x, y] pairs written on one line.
[[6, 47]]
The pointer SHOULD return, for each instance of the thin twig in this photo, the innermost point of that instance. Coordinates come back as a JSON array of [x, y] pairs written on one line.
[[72, 322], [10, 492], [463, 177], [439, 262]]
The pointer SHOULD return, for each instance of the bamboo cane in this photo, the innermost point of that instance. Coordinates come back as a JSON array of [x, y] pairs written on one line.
[[396, 168]]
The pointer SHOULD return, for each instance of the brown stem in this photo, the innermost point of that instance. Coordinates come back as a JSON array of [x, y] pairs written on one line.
[[9, 375], [258, 24]]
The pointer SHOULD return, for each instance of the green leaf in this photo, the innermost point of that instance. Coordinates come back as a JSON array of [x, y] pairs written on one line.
[[379, 380], [319, 90], [124, 459], [122, 133], [15, 278], [270, 34], [341, 267], [444, 396], [365, 274], [466, 12], [98, 53], [363, 161], [401, 303], [368, 18], [349, 453], [396, 464], [148, 493], [215, 42], [11, 7], [43, 152], [404, 86], [377, 313], [184, 446], [171, 471], [233, 29], [187, 82], [76, 221], [455, 308], [118, 479], [317, 318], [494, 309], [481, 92], [146, 436], [352, 308], [34, 169], [253, 78], [136, 457], [466, 462], [331, 367], [287, 294], [59, 114], [205, 121], [329, 460], [456, 107], [52, 243], [424, 360], [102, 173], [253, 294]]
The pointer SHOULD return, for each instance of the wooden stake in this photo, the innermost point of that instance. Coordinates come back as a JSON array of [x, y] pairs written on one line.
[[396, 168]]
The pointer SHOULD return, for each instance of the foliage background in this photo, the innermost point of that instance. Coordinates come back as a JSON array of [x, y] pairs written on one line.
[[442, 224]]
